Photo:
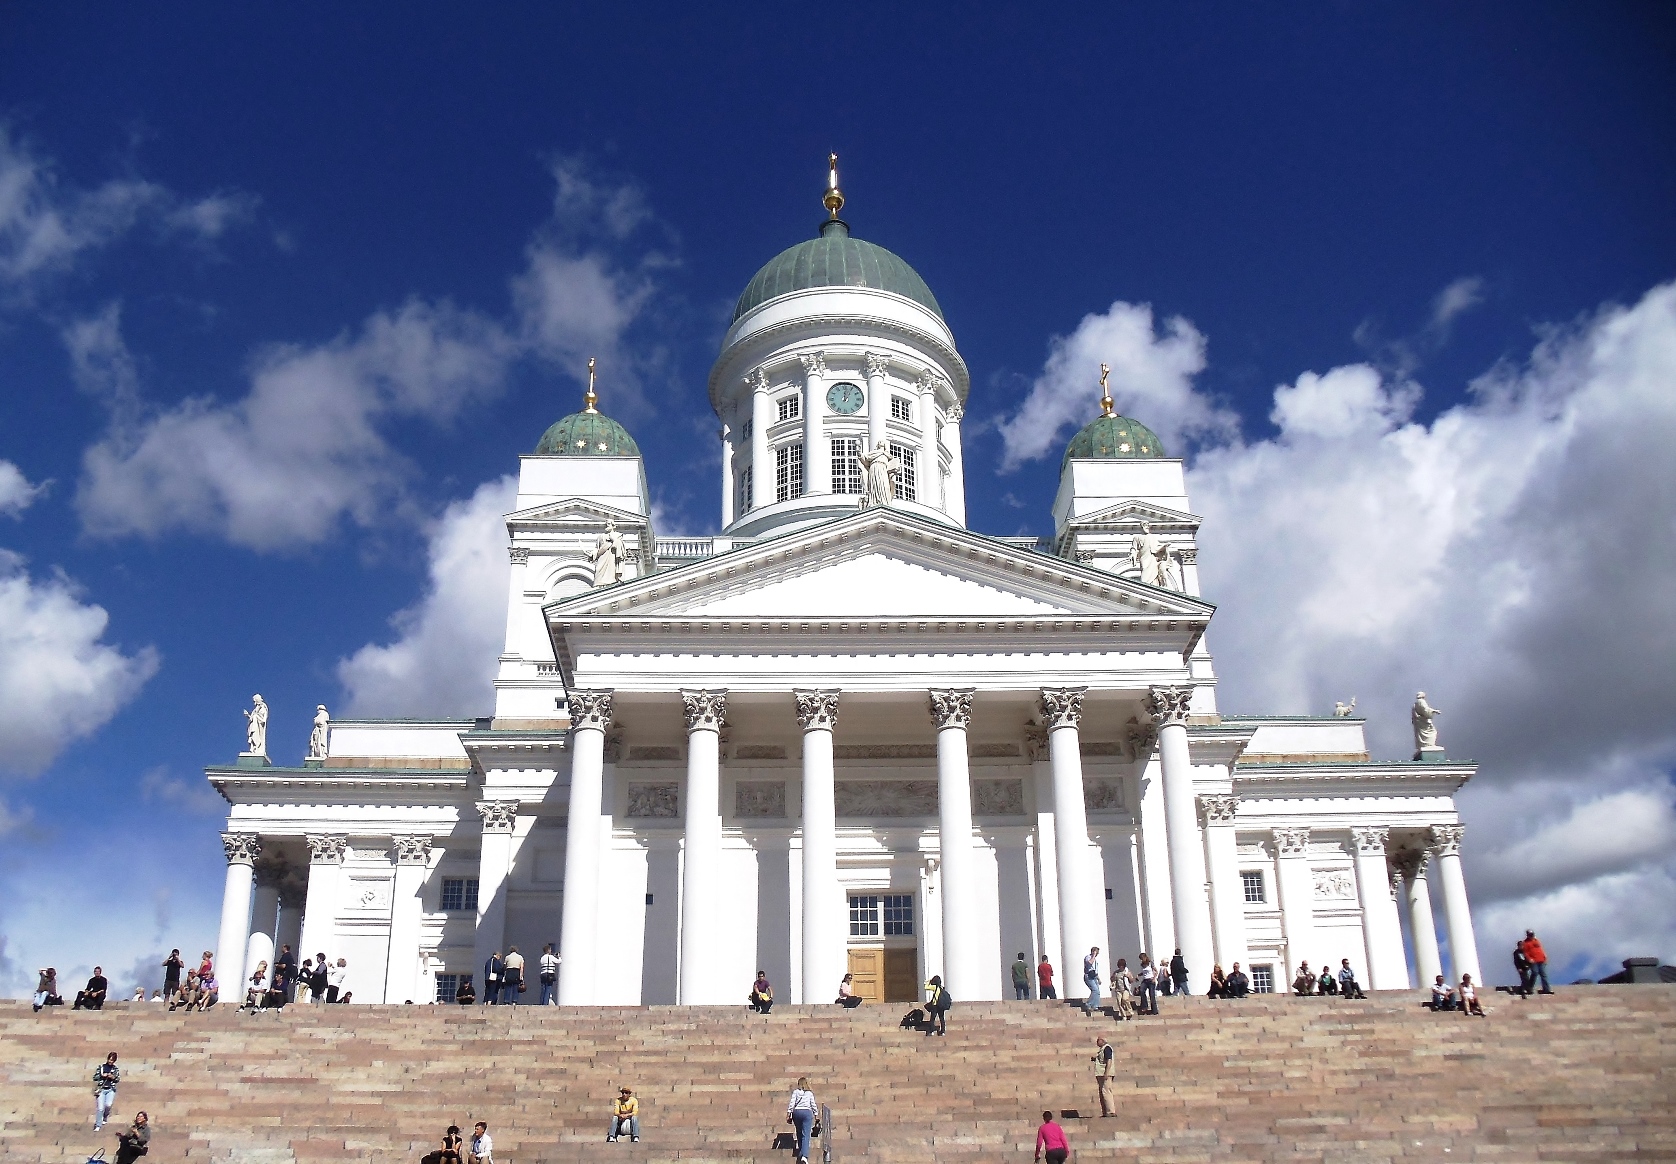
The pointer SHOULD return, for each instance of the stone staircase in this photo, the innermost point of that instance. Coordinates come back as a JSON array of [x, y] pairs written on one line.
[[1587, 1074]]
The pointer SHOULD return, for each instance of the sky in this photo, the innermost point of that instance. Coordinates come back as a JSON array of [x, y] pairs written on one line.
[[285, 292]]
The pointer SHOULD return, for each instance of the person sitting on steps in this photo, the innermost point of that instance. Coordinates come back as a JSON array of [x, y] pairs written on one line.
[[1469, 999], [761, 997], [1443, 995], [847, 997], [1325, 984], [452, 1146], [1238, 984], [1347, 986], [1304, 984], [625, 1116]]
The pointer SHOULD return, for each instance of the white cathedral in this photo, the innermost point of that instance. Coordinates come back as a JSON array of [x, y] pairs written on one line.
[[847, 733]]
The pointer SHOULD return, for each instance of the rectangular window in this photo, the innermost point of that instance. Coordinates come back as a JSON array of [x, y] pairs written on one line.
[[788, 472], [1262, 979], [899, 915], [901, 410], [446, 985], [905, 477], [459, 894], [864, 916], [1254, 894], [745, 491], [846, 467], [790, 407], [745, 433]]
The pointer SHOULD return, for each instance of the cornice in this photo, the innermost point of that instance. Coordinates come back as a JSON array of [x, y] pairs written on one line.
[[393, 779], [1275, 776]]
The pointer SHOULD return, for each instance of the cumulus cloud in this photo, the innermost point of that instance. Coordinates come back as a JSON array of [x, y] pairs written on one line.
[[1513, 558], [46, 223], [191, 794], [16, 493], [308, 446], [59, 681], [1151, 379], [443, 660], [305, 449]]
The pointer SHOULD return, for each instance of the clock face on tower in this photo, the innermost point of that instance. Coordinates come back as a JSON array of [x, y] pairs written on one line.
[[844, 398]]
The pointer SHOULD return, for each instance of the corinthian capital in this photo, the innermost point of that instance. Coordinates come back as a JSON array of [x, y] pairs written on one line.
[[814, 363], [954, 412], [1291, 842], [952, 707], [241, 848], [1411, 863], [499, 816], [1219, 808], [1446, 839], [518, 555], [705, 710], [757, 381], [414, 850], [1061, 706], [816, 709], [326, 848], [1370, 842], [1168, 705], [874, 364], [590, 709]]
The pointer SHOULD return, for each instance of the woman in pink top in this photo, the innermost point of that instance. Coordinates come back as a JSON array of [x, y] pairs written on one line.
[[1050, 1137]]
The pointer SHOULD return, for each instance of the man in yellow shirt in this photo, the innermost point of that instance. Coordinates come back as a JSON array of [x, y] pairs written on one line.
[[626, 1115]]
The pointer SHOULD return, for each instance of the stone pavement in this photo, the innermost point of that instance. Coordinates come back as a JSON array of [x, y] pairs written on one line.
[[1588, 1074]]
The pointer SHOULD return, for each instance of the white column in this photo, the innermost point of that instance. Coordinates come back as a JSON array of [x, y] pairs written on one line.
[[762, 466], [1381, 928], [325, 870], [590, 714], [494, 866], [701, 858], [1047, 860], [954, 499], [1428, 961], [878, 399], [824, 959], [1189, 905], [407, 911], [1227, 891], [1297, 897], [963, 951], [1457, 912], [1082, 906], [519, 557], [817, 457], [728, 487], [931, 465], [264, 919], [241, 849], [290, 929]]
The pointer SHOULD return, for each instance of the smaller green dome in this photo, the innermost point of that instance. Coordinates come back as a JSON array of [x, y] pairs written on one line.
[[1111, 438], [587, 434]]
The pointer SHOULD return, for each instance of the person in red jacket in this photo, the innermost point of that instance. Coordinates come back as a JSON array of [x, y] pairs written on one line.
[[1050, 1138], [1538, 961], [1044, 979]]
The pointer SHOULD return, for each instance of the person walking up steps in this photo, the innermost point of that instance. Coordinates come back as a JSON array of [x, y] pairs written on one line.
[[106, 1076], [1050, 1139], [1538, 960], [1044, 979], [800, 1114], [1091, 979], [1104, 1069], [1149, 986]]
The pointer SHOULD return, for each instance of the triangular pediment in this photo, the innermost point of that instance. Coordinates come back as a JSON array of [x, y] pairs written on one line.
[[578, 511], [884, 564], [1133, 512]]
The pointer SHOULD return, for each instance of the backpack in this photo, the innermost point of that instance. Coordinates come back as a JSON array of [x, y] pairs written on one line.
[[943, 1000]]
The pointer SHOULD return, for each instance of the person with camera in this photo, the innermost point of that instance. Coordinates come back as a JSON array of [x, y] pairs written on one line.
[[549, 976], [135, 1141], [106, 1077], [173, 967]]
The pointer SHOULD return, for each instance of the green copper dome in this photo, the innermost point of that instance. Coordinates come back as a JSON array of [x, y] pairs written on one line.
[[835, 260], [587, 434], [1110, 437]]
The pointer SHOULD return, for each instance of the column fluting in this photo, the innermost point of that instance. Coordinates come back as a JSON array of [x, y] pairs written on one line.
[[701, 858]]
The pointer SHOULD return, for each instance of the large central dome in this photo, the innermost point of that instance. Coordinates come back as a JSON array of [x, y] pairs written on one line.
[[835, 260]]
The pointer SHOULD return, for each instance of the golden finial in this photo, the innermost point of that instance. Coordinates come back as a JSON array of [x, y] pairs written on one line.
[[590, 399], [1107, 406], [834, 200]]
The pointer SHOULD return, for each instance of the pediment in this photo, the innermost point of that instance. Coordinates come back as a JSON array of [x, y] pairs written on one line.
[[881, 564], [1134, 512], [579, 511]]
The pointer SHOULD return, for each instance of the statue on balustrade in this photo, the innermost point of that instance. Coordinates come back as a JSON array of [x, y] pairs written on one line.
[[1424, 718], [608, 556], [318, 737], [256, 727]]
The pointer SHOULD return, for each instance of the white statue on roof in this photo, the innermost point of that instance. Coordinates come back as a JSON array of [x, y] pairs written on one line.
[[876, 468], [318, 737], [256, 727], [1424, 718], [608, 556], [1148, 554]]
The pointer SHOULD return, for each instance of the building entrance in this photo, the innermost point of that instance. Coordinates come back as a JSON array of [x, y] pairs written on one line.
[[885, 975]]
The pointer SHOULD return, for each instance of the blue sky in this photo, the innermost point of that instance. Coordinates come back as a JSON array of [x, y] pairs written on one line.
[[282, 297]]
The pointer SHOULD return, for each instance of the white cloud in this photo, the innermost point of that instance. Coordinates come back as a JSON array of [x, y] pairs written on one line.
[[303, 451], [1513, 558], [443, 662], [308, 446], [1456, 299], [1151, 380], [58, 680], [16, 493], [191, 794], [46, 223]]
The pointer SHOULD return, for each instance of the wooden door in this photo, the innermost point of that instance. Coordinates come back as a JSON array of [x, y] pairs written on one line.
[[868, 966], [901, 975]]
